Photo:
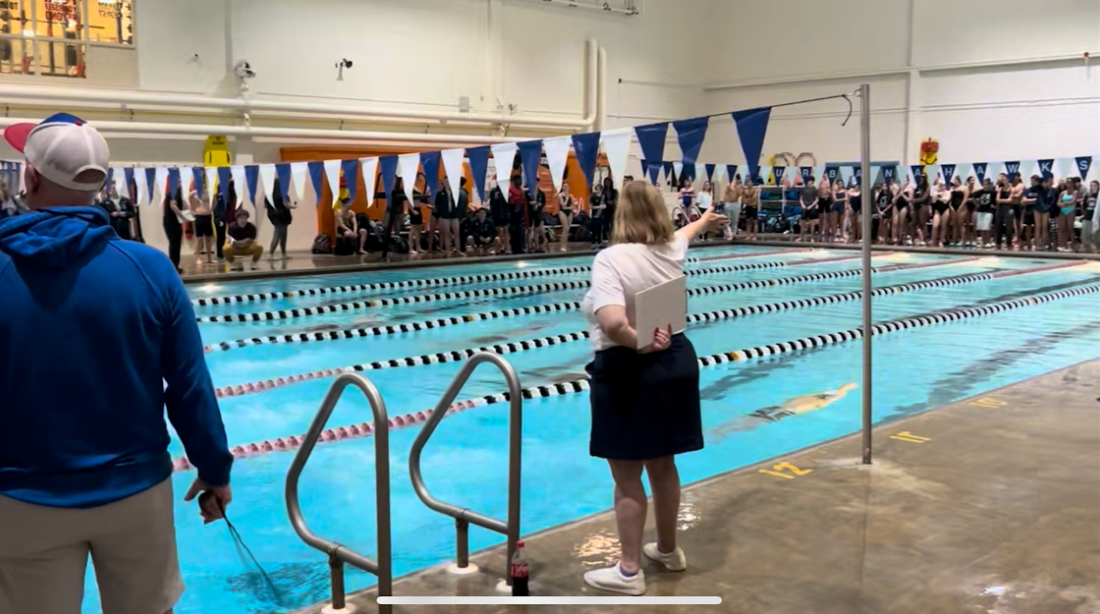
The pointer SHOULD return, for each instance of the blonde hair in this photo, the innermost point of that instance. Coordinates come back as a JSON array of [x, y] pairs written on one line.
[[641, 216]]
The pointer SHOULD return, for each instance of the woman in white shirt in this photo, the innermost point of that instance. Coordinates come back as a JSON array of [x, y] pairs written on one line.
[[645, 401]]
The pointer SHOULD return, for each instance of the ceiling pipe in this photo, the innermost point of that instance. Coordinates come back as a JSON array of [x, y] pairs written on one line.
[[601, 97], [150, 128], [74, 97]]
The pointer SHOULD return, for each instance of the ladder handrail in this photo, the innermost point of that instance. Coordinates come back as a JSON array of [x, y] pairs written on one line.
[[338, 554], [464, 516]]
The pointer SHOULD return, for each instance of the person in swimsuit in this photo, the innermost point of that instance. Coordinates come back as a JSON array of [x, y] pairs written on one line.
[[970, 236], [884, 213], [441, 211], [1067, 213], [1004, 226], [567, 206], [902, 199], [1090, 233], [774, 413], [826, 217], [923, 211], [1045, 199], [750, 203], [986, 201], [840, 210], [416, 216], [687, 195], [955, 199], [811, 212], [732, 197], [499, 213], [536, 227], [941, 216], [855, 210], [204, 224]]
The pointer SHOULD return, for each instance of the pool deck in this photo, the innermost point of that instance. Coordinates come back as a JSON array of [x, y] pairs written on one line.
[[989, 505]]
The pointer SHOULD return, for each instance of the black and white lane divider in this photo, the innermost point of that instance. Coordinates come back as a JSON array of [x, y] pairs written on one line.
[[563, 388], [446, 281], [553, 340]]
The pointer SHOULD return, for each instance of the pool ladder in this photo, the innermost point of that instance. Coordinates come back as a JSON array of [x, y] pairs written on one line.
[[338, 555]]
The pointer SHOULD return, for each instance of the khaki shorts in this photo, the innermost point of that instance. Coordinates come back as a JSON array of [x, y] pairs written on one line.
[[44, 555]]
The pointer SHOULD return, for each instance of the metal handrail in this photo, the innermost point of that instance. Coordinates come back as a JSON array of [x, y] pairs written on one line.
[[464, 517], [338, 554]]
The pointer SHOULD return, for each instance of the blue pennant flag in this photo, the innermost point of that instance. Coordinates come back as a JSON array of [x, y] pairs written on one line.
[[645, 167], [388, 166], [752, 126], [316, 175], [670, 170], [1046, 168], [351, 172], [690, 134], [857, 173], [1012, 168], [151, 182], [688, 172], [890, 174], [252, 177], [587, 149], [1084, 163], [282, 171], [173, 183], [479, 166], [731, 172], [651, 138], [917, 171], [225, 177], [831, 173], [710, 172], [199, 174], [130, 184], [948, 171], [430, 161], [106, 184], [530, 155], [654, 173], [777, 174], [980, 169], [806, 172]]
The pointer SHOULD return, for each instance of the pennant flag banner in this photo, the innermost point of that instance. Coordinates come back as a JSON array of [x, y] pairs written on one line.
[[369, 168], [504, 155], [332, 174], [267, 179], [655, 174], [452, 167], [211, 179], [701, 172], [964, 171], [806, 172], [1046, 168], [917, 170], [752, 126], [1012, 168], [252, 178], [429, 160], [161, 181], [299, 173], [980, 169], [587, 149], [198, 176], [777, 173], [530, 155], [557, 153], [857, 174], [687, 171], [388, 165], [144, 185], [690, 134], [409, 165], [670, 170], [240, 180], [948, 171], [282, 171], [710, 172], [316, 176], [225, 178], [731, 172], [831, 172], [479, 166], [1083, 164], [890, 174], [651, 138], [677, 172], [616, 146], [645, 167], [174, 183], [350, 169], [129, 176]]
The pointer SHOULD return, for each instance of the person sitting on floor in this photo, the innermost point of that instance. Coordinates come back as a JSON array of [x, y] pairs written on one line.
[[482, 236], [242, 240]]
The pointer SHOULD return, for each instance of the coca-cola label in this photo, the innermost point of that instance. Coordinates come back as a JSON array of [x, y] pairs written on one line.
[[519, 570]]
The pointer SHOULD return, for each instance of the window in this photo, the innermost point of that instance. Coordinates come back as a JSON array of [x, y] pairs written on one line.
[[51, 37]]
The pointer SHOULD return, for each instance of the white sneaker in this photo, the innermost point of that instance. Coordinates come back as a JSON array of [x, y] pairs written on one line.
[[673, 561], [611, 579]]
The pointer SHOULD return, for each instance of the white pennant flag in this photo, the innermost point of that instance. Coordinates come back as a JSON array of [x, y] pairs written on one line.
[[161, 187], [142, 186], [504, 156], [267, 178], [452, 166], [1066, 167], [964, 170], [557, 154], [369, 168], [120, 183], [409, 166], [332, 173], [211, 181], [701, 173], [240, 182], [299, 173], [678, 170], [616, 146]]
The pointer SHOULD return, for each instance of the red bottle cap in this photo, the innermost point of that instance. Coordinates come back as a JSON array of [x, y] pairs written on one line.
[[519, 544]]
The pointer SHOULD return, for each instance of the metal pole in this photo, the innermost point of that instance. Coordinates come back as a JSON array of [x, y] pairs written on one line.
[[515, 469], [336, 567], [865, 189], [462, 543]]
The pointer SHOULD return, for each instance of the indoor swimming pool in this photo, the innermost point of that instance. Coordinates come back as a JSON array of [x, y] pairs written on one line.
[[271, 344]]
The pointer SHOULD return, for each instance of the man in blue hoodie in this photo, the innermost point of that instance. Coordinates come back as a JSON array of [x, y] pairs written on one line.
[[97, 338]]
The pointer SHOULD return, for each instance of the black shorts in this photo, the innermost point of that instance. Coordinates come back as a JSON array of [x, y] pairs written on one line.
[[751, 213], [645, 406], [1029, 218], [811, 215], [416, 216], [204, 225], [483, 241]]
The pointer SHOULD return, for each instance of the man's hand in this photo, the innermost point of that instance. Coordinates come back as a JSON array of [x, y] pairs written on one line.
[[213, 501], [714, 221]]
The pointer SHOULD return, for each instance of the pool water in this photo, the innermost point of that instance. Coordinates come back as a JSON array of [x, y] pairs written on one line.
[[466, 460]]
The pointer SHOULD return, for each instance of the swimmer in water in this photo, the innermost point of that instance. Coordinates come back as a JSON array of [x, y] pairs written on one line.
[[775, 413]]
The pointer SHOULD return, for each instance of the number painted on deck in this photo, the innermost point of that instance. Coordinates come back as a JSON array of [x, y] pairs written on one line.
[[909, 437], [780, 471]]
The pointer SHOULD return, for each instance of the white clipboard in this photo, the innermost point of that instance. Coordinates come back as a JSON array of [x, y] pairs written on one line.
[[659, 307]]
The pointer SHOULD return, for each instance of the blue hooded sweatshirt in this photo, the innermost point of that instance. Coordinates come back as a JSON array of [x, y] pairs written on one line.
[[91, 329]]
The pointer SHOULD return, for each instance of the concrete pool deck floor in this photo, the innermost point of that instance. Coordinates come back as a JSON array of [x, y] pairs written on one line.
[[989, 505]]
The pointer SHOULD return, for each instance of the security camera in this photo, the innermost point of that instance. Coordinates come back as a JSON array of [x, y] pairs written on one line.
[[243, 70], [340, 66]]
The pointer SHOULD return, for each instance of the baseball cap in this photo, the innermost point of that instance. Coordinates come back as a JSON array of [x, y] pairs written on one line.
[[62, 147]]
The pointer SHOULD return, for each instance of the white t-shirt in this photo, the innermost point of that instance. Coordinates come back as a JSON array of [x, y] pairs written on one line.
[[622, 271], [704, 199]]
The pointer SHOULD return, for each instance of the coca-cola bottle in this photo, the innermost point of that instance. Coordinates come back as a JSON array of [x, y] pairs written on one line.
[[518, 571]]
